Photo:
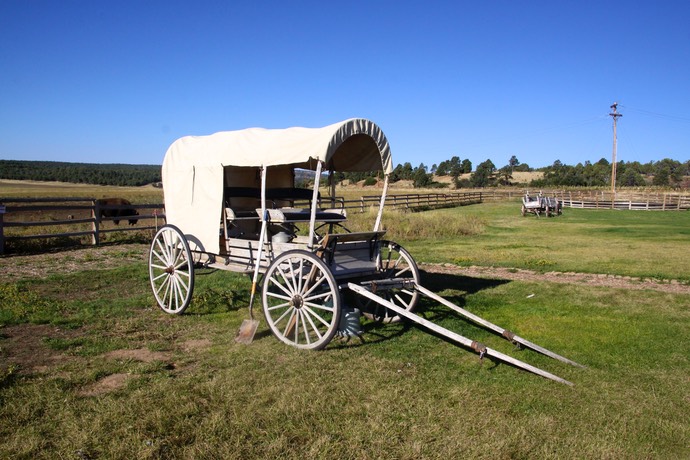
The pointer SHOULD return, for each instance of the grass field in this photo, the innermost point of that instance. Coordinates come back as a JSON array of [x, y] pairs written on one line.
[[90, 368]]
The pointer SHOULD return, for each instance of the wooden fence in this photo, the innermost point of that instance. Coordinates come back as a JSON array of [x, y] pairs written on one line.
[[622, 200], [416, 201], [82, 216], [78, 216]]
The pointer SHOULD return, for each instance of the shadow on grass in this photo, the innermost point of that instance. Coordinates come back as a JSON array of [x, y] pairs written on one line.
[[426, 308], [464, 285], [59, 244]]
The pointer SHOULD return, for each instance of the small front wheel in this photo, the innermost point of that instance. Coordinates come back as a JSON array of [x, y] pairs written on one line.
[[301, 300], [171, 270]]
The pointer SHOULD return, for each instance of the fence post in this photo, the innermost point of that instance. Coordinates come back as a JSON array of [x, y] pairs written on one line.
[[95, 224], [2, 232]]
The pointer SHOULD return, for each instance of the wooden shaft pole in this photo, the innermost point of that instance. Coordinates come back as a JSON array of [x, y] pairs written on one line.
[[452, 335]]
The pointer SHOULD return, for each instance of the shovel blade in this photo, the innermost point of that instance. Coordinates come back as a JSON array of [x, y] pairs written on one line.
[[247, 330]]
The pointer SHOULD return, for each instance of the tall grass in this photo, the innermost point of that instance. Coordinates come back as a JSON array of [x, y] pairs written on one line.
[[405, 226]]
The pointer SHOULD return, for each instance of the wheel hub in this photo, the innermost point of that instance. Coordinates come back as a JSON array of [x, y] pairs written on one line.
[[170, 270], [297, 302]]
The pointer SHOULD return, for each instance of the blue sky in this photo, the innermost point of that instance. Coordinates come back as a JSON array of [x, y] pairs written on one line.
[[118, 82]]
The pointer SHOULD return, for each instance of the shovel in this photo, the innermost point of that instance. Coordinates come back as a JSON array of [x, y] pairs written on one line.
[[248, 327]]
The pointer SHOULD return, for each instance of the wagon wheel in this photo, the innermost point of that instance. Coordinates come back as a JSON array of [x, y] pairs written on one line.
[[301, 300], [523, 211], [170, 270], [393, 261]]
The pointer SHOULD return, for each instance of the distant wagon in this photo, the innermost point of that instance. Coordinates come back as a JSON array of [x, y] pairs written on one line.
[[540, 204], [232, 204]]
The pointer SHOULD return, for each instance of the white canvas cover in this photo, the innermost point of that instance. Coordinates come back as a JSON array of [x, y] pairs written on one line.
[[193, 167]]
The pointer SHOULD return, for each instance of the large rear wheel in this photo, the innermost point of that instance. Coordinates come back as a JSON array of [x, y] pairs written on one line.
[[171, 270], [393, 262]]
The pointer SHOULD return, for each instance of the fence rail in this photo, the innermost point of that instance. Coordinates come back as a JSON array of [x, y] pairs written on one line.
[[80, 217], [416, 201]]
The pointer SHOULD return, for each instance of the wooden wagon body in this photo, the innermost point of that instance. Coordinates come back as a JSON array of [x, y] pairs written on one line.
[[540, 204]]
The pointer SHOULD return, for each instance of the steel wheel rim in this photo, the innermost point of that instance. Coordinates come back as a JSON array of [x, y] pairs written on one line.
[[170, 272], [301, 300]]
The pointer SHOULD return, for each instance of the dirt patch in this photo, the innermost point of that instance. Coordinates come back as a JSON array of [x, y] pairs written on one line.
[[139, 354], [24, 346], [197, 344], [16, 267], [105, 385], [613, 281]]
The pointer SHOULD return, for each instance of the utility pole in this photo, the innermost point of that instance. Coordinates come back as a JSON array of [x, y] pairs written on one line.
[[615, 116]]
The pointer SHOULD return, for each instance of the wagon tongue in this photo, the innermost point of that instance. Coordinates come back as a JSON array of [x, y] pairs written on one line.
[[476, 346]]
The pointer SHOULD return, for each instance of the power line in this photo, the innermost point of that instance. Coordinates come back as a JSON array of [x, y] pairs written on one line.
[[657, 115]]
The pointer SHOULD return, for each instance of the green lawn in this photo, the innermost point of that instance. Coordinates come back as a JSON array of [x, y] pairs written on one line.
[[631, 243], [400, 393]]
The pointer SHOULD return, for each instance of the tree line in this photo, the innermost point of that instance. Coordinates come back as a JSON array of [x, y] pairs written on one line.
[[666, 172], [80, 173]]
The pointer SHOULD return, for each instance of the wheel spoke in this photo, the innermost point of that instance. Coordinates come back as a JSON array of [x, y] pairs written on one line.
[[164, 283], [304, 328], [163, 254], [160, 267], [316, 315], [157, 277], [308, 314], [280, 305], [179, 279], [293, 277], [405, 269], [281, 317], [301, 271], [317, 296], [401, 300], [290, 319], [317, 283], [278, 296], [280, 285]]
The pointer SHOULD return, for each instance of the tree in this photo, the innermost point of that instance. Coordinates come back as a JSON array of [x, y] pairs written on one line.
[[466, 166], [483, 175], [631, 178], [661, 177], [406, 172], [513, 162], [421, 178], [505, 175]]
